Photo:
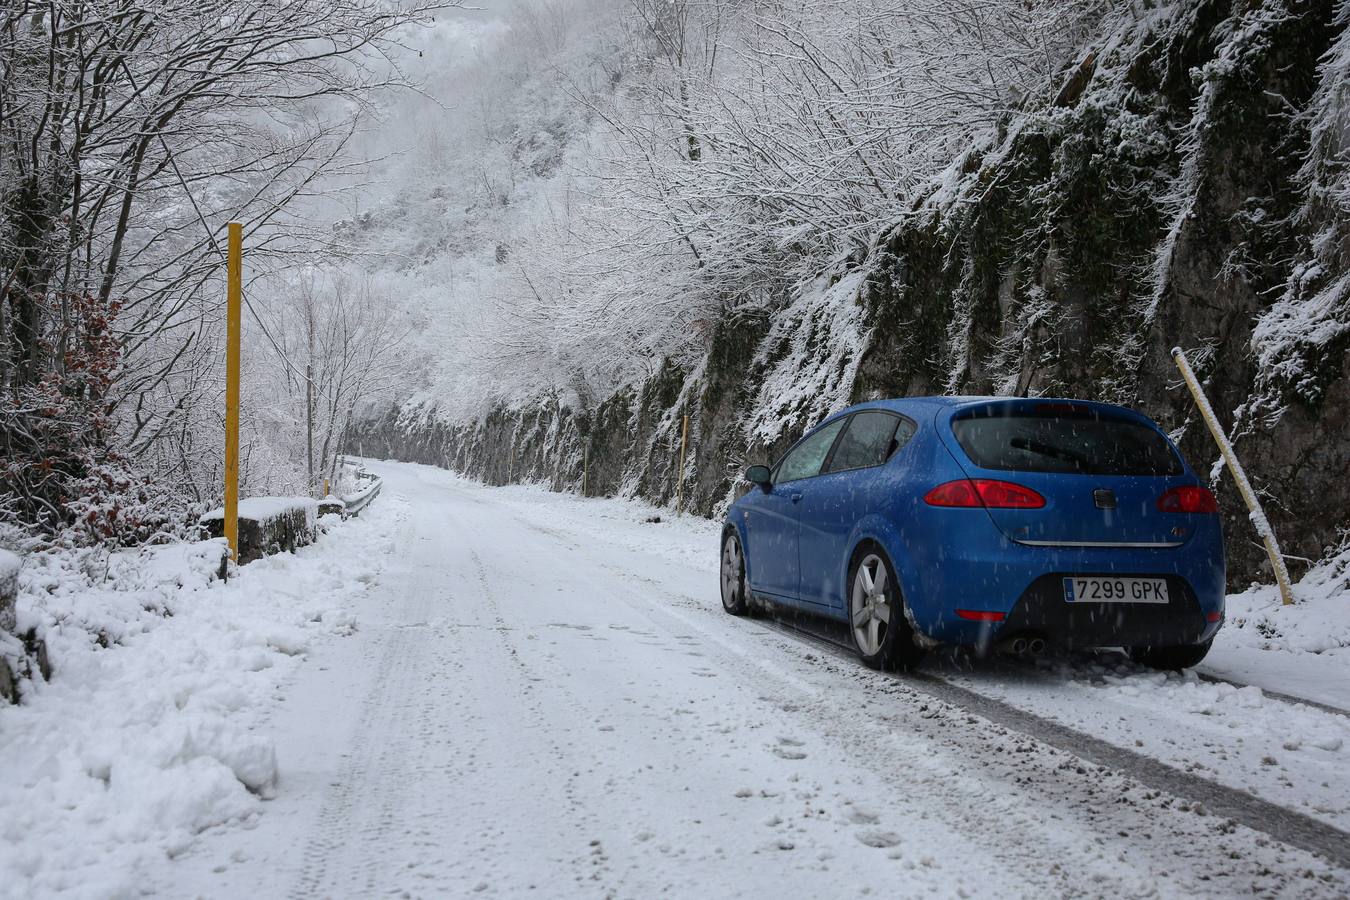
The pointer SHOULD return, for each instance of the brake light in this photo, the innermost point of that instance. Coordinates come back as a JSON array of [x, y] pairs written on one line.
[[1191, 499], [953, 493], [1006, 495], [975, 492]]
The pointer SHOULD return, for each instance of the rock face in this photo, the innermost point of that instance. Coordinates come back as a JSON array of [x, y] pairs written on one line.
[[1188, 183]]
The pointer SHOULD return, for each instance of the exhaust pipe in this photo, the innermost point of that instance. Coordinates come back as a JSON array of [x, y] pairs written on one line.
[[1023, 646]]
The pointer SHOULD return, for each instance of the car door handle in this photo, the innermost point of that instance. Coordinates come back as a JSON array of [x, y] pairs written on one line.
[[796, 496]]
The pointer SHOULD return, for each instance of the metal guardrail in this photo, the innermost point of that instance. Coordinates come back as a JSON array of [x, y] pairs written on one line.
[[361, 499]]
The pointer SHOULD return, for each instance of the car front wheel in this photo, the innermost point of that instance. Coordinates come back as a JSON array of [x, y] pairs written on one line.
[[881, 633], [734, 596]]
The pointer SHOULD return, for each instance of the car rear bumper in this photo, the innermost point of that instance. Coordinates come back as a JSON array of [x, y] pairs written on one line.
[[1024, 585], [1043, 612]]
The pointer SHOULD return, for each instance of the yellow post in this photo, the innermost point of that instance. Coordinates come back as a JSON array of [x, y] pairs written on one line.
[[233, 323], [684, 446], [1258, 516], [325, 487]]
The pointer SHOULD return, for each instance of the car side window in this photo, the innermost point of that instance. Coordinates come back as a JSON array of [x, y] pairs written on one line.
[[903, 432], [871, 439], [867, 442], [805, 459]]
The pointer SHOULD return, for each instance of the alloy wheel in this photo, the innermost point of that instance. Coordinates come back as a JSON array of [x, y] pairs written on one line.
[[733, 566], [870, 604]]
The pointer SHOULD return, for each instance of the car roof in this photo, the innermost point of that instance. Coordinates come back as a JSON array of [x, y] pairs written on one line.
[[903, 404], [933, 404]]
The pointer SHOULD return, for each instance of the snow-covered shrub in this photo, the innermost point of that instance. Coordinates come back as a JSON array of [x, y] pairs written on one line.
[[62, 473]]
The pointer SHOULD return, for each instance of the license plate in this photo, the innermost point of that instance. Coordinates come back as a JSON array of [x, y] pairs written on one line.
[[1115, 590]]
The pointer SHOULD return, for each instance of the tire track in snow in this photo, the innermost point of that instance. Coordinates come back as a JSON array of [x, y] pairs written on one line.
[[1113, 768], [1279, 822], [1064, 827], [343, 858], [337, 817], [1283, 824], [522, 662]]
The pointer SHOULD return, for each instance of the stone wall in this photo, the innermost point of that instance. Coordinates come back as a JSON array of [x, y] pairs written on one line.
[[269, 525]]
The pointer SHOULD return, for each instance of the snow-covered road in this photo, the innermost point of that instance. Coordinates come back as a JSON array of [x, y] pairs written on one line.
[[543, 696]]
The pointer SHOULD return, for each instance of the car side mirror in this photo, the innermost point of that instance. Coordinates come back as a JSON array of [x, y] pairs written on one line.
[[759, 475]]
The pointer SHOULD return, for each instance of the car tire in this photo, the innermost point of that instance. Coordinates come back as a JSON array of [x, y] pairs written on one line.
[[1183, 657], [735, 594], [877, 622]]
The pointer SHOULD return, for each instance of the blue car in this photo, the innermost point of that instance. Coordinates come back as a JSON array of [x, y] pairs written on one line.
[[1001, 524]]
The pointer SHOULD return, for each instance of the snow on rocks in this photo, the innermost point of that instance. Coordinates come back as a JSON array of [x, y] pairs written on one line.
[[10, 648], [269, 508], [797, 387], [9, 585], [151, 730], [269, 525]]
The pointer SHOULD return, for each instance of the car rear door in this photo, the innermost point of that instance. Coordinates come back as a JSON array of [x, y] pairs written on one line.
[[773, 521], [1101, 470], [844, 493]]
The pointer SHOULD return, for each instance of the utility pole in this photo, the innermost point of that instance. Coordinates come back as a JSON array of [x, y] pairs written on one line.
[[234, 272]]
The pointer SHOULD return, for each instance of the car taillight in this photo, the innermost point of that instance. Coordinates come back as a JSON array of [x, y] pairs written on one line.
[[1188, 500], [971, 492]]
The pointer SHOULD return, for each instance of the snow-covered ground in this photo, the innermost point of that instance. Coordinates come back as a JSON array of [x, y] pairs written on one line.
[[507, 691], [155, 726], [1303, 649]]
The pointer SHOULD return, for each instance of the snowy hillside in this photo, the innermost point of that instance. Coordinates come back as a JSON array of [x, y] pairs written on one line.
[[1175, 176]]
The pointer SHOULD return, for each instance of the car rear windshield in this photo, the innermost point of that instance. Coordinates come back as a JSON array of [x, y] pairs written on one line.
[[1084, 442]]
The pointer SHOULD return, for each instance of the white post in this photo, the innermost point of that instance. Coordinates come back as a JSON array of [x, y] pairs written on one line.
[[1258, 516]]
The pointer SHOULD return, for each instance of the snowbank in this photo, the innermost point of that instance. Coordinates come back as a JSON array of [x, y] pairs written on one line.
[[150, 730], [1303, 649]]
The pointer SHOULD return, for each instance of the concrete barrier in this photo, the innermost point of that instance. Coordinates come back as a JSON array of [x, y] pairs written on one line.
[[269, 525]]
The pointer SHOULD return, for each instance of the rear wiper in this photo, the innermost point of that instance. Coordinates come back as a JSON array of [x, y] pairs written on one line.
[[1031, 446]]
